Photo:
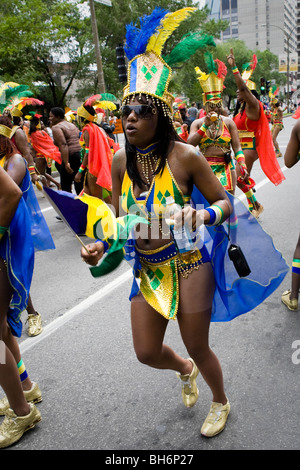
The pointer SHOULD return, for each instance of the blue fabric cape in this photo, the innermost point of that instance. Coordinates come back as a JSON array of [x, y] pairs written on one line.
[[234, 295], [27, 233]]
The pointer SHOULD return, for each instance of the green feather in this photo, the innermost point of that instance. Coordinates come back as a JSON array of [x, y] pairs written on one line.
[[210, 63], [189, 44]]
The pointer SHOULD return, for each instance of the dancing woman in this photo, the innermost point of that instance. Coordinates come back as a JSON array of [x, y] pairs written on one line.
[[170, 284], [255, 135], [16, 269]]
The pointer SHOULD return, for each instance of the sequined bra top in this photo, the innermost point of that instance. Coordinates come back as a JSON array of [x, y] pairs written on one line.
[[162, 186], [222, 141]]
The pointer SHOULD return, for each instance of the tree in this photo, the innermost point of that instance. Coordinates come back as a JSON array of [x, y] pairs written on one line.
[[36, 35], [47, 44], [267, 65]]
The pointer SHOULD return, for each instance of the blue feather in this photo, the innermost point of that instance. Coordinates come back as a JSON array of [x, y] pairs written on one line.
[[137, 38]]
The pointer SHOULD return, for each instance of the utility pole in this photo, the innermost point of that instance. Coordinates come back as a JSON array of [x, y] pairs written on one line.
[[101, 82]]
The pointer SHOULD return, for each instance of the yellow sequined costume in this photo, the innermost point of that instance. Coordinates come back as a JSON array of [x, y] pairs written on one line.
[[158, 270]]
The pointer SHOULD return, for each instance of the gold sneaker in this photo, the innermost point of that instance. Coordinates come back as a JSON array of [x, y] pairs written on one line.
[[13, 427], [286, 300], [34, 324], [189, 389], [33, 395], [216, 419], [257, 212]]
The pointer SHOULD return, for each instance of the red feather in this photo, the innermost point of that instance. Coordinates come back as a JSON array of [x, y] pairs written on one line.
[[222, 69], [92, 100], [254, 62], [30, 102]]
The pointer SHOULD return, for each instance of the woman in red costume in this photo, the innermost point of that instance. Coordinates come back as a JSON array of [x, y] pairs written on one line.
[[255, 136], [97, 153], [45, 150]]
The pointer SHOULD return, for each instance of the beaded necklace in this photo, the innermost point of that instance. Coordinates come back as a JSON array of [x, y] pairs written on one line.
[[148, 161]]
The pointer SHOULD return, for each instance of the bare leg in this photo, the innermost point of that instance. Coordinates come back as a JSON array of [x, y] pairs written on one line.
[[148, 330], [9, 375], [295, 276], [196, 294]]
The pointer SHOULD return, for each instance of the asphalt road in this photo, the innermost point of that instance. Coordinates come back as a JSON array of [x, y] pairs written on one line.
[[97, 396]]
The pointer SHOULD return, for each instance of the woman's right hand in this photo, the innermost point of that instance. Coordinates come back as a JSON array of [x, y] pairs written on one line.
[[210, 118], [231, 59], [94, 254]]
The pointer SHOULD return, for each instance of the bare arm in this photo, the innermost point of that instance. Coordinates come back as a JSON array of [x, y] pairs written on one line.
[[16, 169], [291, 156], [201, 175], [252, 105], [25, 149], [10, 195]]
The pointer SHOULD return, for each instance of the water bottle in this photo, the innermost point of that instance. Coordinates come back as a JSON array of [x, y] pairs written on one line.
[[181, 235]]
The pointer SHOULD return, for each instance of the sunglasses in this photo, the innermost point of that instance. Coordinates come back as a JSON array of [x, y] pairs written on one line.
[[144, 111]]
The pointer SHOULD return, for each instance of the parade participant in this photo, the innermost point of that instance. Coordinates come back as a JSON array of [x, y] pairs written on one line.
[[291, 157], [66, 138], [97, 152], [169, 284], [216, 134], [193, 111], [16, 102], [277, 121], [254, 131], [16, 269], [45, 150], [34, 317]]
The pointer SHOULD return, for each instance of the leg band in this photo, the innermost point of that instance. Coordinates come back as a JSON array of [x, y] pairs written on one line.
[[296, 266], [22, 371]]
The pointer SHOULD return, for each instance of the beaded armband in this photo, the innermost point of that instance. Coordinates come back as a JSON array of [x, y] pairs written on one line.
[[31, 170], [240, 158], [82, 168], [202, 130], [235, 70], [216, 215]]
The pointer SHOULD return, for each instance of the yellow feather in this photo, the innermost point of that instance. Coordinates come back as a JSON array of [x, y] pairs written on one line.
[[8, 85], [201, 75], [169, 23], [106, 105]]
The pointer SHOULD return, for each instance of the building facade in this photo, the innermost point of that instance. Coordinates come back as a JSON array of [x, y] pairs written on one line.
[[264, 24]]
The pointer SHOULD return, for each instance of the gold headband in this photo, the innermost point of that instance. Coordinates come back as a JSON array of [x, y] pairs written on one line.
[[81, 111], [16, 112], [6, 131]]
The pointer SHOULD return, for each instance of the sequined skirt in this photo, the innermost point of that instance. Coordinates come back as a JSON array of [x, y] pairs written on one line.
[[222, 170], [159, 275]]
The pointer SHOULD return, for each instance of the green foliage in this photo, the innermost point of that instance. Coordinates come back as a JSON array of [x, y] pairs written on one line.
[[45, 40]]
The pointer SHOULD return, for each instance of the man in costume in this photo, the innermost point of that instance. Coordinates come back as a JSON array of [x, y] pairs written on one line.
[[66, 138]]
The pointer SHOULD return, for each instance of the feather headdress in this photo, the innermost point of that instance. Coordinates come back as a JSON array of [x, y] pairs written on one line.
[[14, 95], [248, 70], [148, 72], [212, 83], [96, 101], [189, 44], [6, 86]]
